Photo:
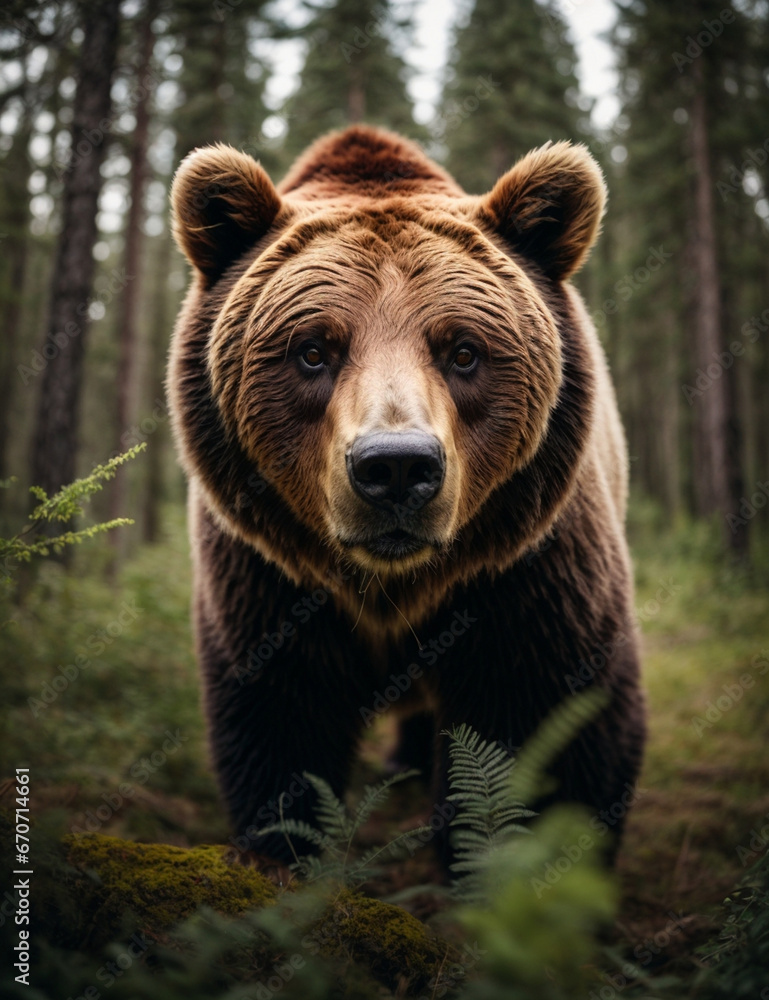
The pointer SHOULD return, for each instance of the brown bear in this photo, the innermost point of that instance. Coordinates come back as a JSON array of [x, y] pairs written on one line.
[[407, 474]]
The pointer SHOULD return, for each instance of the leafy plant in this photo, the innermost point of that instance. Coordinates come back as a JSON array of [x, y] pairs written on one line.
[[61, 508], [739, 959], [491, 788], [536, 945], [488, 812], [336, 831]]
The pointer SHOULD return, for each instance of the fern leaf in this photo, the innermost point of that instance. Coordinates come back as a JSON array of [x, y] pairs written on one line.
[[330, 812], [297, 828], [403, 842], [375, 795]]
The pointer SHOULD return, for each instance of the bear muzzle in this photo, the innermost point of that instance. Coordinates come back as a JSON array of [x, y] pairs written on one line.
[[397, 474]]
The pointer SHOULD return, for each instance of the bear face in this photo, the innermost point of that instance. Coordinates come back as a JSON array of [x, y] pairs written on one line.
[[394, 366]]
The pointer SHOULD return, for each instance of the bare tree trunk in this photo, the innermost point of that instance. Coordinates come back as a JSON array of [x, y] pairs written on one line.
[[159, 337], [54, 445], [718, 480], [670, 443], [127, 339], [15, 251], [356, 96]]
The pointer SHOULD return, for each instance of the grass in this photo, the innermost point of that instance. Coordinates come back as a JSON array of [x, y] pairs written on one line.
[[706, 774], [90, 746]]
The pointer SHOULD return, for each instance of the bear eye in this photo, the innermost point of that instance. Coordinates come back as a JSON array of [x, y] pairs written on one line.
[[465, 358], [311, 357]]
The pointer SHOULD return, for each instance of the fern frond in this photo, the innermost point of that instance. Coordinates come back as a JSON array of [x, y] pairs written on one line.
[[297, 828], [488, 813], [480, 779], [330, 812], [375, 795], [489, 788], [403, 842]]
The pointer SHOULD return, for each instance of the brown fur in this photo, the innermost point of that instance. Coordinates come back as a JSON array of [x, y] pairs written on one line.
[[373, 251]]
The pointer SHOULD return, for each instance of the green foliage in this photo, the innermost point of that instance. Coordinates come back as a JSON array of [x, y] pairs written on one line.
[[738, 962], [336, 831], [537, 942], [132, 637], [511, 85], [488, 813], [353, 71], [555, 733], [62, 507], [491, 789]]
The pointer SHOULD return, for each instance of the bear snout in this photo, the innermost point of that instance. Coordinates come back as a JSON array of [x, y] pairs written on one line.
[[394, 469]]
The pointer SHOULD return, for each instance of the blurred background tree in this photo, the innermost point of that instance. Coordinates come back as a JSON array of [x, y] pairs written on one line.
[[511, 85], [353, 72]]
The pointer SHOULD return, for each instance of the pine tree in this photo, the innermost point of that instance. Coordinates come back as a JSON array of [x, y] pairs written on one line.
[[352, 73], [221, 83], [511, 86]]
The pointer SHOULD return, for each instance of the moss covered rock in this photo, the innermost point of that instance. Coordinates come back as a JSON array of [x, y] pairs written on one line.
[[161, 884], [394, 946]]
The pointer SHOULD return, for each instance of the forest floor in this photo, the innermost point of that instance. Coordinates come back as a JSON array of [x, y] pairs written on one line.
[[116, 743]]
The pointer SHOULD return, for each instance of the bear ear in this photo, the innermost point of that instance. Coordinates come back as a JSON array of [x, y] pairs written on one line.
[[549, 207], [222, 202]]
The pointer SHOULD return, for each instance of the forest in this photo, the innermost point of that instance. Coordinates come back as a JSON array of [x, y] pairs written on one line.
[[101, 721]]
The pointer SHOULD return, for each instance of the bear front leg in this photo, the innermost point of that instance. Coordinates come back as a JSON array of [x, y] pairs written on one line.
[[518, 661], [267, 732]]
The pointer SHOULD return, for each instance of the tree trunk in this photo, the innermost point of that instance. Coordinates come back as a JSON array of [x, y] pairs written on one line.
[[159, 337], [16, 252], [134, 238], [54, 446], [356, 96], [718, 479]]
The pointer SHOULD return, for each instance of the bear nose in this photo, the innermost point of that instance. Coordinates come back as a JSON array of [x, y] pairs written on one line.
[[388, 467]]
